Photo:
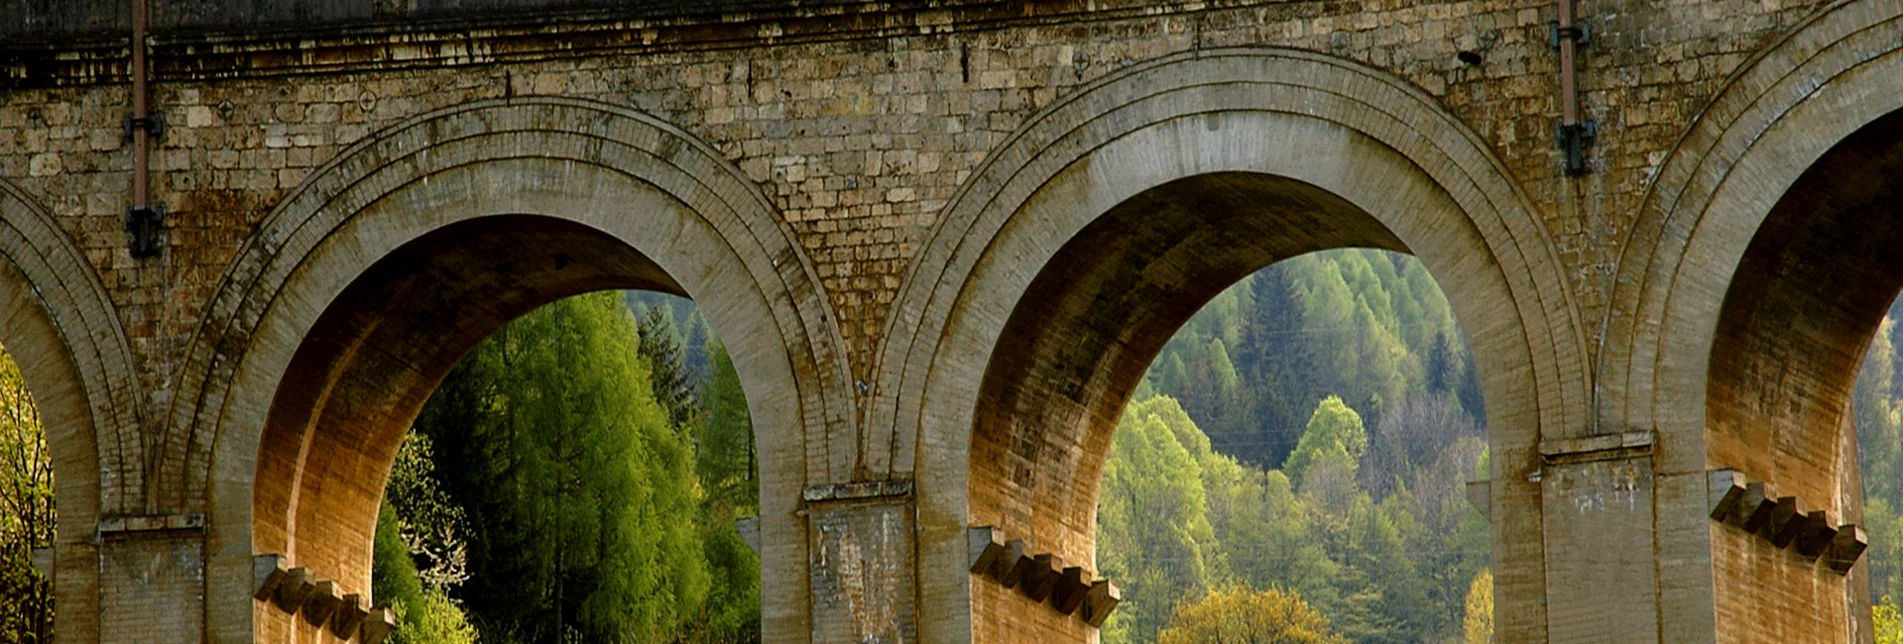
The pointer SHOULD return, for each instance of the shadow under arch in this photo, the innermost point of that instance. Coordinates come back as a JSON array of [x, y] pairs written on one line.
[[1749, 287], [1088, 238], [347, 307], [58, 324]]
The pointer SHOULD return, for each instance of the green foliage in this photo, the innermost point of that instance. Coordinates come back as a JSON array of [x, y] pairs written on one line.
[[1154, 533], [1345, 370], [1243, 615], [1366, 325], [1334, 435], [1876, 408], [579, 490], [26, 512], [731, 490], [425, 614]]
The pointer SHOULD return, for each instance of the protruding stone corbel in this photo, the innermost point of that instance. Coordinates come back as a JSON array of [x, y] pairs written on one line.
[[1041, 579], [1100, 601], [1845, 548], [1785, 521], [1725, 490], [322, 603], [351, 611], [1040, 576], [294, 590], [1020, 568], [378, 625], [1072, 586], [1786, 518], [1816, 535], [43, 562], [749, 529], [1480, 496], [985, 544], [267, 573]]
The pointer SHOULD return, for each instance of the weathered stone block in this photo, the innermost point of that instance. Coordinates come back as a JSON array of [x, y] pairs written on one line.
[[1480, 496], [351, 611], [322, 603], [268, 572], [1100, 601], [1816, 535], [1756, 507], [1020, 569], [1041, 579], [379, 624], [1072, 586], [1845, 548], [1726, 490], [1787, 519], [295, 589], [986, 545]]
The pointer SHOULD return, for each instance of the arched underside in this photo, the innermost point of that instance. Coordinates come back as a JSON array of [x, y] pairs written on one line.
[[1833, 75], [57, 324], [377, 353], [1743, 301], [1799, 314], [1090, 324], [397, 258], [1075, 253]]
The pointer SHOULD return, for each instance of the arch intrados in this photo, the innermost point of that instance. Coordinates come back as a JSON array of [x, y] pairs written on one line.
[[1775, 117], [364, 370], [1393, 205], [57, 323], [1799, 312], [1095, 318]]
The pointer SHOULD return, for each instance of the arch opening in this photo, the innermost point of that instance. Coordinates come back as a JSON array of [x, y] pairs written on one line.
[[371, 361], [1797, 318], [363, 373], [1090, 325], [1087, 330]]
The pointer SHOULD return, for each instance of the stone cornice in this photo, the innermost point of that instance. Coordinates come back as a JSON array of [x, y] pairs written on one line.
[[200, 56]]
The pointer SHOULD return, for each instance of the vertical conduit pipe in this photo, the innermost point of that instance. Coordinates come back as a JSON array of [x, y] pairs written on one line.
[[140, 194], [143, 220], [1572, 134]]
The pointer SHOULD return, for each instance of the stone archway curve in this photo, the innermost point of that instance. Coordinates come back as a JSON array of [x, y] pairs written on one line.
[[58, 324], [1837, 72], [1288, 113], [578, 161]]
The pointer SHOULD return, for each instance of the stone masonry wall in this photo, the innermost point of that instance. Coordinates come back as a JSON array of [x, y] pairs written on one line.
[[860, 127]]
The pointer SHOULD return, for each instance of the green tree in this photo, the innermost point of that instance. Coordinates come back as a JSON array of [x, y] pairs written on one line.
[[1333, 429], [425, 614], [26, 512], [1242, 615], [579, 490], [1154, 534], [730, 489]]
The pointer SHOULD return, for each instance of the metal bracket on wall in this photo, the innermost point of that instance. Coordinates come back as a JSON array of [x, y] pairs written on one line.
[[1573, 139], [153, 124], [1580, 33], [147, 225]]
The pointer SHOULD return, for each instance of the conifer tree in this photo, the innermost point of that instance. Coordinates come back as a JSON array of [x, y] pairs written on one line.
[[579, 489]]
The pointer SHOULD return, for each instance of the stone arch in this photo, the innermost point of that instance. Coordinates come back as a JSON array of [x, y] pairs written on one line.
[[1750, 286], [1111, 192], [60, 327], [312, 361]]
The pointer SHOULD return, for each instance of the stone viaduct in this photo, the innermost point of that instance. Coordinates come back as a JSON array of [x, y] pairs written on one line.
[[943, 240]]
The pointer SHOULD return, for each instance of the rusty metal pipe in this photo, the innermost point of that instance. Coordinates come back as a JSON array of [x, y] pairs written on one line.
[[140, 162], [1568, 83]]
